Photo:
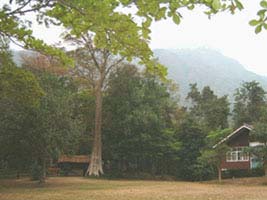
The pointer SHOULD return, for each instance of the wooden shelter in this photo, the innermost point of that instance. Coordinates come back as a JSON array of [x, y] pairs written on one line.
[[70, 164], [74, 159]]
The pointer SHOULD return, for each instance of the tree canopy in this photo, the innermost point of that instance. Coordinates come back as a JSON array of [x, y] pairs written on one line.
[[250, 99], [209, 110]]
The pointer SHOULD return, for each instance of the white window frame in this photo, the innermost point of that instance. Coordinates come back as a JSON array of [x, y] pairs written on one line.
[[237, 154]]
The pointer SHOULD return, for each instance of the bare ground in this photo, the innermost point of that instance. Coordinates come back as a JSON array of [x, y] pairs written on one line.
[[75, 188]]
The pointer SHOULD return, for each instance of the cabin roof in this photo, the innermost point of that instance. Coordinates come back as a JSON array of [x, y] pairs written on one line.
[[74, 159], [237, 131]]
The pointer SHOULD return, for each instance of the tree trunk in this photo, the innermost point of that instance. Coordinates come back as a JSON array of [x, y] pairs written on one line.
[[95, 165], [219, 174]]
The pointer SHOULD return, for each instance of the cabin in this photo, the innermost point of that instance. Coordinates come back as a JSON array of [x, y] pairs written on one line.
[[237, 158]]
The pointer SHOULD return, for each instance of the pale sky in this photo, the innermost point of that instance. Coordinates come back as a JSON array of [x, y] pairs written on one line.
[[229, 34]]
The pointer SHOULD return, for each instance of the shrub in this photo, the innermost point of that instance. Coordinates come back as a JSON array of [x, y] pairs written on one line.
[[203, 172], [236, 173]]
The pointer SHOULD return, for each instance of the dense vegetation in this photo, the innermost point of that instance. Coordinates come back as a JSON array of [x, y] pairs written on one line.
[[47, 111]]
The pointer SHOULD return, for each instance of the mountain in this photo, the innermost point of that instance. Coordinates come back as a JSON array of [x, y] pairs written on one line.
[[206, 67]]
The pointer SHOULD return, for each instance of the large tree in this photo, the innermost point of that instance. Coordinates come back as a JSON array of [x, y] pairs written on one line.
[[101, 50], [259, 134], [94, 65], [211, 111], [20, 95], [139, 120], [250, 99], [54, 129], [192, 139]]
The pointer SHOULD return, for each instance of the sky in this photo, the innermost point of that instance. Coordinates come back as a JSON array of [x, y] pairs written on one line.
[[229, 34]]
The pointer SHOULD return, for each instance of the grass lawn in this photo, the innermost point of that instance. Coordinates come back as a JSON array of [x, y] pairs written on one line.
[[75, 188]]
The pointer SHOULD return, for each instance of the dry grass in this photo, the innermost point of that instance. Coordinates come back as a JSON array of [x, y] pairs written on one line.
[[74, 188]]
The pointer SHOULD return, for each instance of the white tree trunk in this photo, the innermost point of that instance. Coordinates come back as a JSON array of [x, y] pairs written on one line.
[[95, 165]]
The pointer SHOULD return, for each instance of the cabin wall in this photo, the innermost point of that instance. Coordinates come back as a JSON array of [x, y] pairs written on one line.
[[235, 165], [240, 140]]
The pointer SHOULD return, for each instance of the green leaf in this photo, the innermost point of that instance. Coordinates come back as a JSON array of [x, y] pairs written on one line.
[[263, 4], [258, 29], [191, 6], [169, 14], [147, 23], [253, 22], [265, 26], [239, 5], [261, 13], [216, 4], [176, 19]]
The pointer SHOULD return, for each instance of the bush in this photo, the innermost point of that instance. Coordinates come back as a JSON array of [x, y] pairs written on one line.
[[139, 176], [203, 172], [237, 173]]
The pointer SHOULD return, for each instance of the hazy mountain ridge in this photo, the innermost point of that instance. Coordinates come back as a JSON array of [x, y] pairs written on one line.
[[206, 67]]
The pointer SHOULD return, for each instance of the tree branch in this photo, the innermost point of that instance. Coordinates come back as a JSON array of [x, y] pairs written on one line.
[[32, 9], [113, 65], [91, 49]]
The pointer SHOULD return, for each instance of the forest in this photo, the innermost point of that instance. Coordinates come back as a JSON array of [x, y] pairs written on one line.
[[48, 111], [109, 98]]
